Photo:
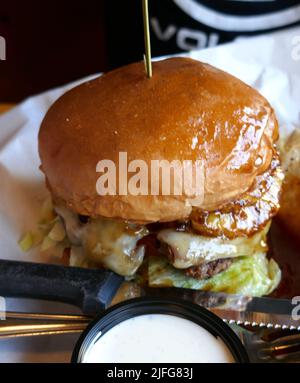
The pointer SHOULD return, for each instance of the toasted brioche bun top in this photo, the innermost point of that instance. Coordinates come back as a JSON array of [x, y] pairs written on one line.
[[188, 110]]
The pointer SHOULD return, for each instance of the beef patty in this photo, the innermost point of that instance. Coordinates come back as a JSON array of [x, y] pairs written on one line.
[[208, 270]]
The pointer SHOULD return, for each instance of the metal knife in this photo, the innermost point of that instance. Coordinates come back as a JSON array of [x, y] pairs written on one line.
[[93, 290], [238, 309]]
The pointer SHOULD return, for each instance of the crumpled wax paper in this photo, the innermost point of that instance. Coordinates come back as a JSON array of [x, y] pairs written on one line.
[[269, 63]]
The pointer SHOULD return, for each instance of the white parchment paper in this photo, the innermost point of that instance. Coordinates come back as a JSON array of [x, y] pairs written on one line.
[[270, 63]]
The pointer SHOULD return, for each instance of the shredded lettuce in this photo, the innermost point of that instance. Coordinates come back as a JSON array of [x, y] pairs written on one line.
[[252, 275], [57, 232], [50, 233], [30, 240]]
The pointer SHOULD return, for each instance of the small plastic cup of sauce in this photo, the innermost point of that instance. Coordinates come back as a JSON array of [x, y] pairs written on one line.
[[153, 330]]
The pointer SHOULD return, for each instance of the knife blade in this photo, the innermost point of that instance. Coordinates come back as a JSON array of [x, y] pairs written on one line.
[[94, 290], [255, 319], [249, 311]]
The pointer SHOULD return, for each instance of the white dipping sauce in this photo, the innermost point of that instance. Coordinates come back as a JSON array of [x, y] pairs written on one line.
[[157, 338]]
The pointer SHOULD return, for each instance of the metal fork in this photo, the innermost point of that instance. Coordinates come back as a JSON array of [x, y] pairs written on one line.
[[262, 344], [270, 345], [34, 324]]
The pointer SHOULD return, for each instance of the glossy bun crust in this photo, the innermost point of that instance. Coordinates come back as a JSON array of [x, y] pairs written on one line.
[[188, 110]]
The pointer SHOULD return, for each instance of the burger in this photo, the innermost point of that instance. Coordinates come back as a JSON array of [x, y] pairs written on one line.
[[188, 111]]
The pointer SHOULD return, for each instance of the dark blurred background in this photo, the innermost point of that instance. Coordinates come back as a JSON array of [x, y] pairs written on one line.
[[49, 43]]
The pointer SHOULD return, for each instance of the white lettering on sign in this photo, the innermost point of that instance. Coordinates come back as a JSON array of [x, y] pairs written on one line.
[[186, 39]]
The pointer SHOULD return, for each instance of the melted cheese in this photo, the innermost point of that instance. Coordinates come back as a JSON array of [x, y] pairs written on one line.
[[114, 245], [192, 249], [106, 242]]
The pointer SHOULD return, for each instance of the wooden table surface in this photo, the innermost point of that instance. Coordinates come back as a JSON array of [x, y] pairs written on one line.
[[5, 107]]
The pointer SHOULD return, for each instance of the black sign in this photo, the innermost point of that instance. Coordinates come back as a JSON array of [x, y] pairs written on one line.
[[183, 25]]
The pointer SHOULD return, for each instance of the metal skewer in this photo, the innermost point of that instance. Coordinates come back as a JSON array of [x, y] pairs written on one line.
[[147, 39]]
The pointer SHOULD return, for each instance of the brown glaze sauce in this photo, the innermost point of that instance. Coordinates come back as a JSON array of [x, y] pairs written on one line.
[[247, 215]]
